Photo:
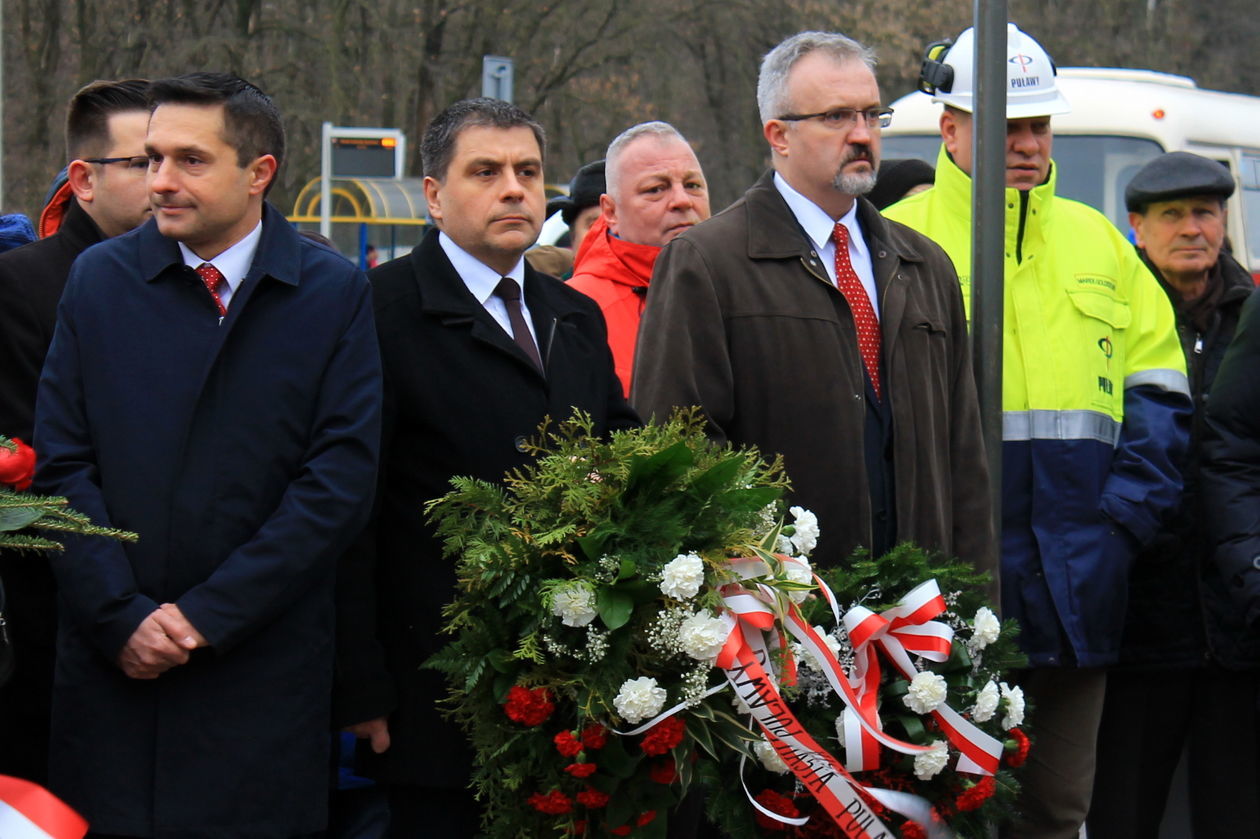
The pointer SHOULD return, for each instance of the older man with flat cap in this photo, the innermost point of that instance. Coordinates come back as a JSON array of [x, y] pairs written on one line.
[[1184, 641]]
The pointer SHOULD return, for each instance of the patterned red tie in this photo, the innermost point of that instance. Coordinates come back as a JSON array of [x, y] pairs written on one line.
[[860, 305], [214, 281]]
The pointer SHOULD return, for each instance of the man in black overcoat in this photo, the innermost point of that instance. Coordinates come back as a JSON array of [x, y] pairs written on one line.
[[104, 196], [468, 377]]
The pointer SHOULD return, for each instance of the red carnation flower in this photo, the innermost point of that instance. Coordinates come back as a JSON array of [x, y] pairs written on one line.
[[1020, 748], [775, 803], [663, 736], [554, 803], [912, 830], [528, 707], [975, 796], [592, 798], [581, 770], [567, 744], [578, 827], [624, 830], [646, 817], [594, 736], [663, 771], [17, 468]]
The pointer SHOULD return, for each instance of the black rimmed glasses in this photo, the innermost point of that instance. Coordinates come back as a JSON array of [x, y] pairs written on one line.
[[846, 117], [138, 162]]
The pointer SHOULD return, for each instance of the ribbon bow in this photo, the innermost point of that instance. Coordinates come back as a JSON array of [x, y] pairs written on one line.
[[908, 628]]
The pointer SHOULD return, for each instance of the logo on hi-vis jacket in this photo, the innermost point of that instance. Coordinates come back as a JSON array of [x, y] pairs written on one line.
[[1104, 383]]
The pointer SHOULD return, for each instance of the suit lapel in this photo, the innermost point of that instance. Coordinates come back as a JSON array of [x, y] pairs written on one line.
[[444, 296]]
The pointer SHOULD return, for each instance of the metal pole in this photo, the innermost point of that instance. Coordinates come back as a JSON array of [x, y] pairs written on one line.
[[325, 181], [988, 212]]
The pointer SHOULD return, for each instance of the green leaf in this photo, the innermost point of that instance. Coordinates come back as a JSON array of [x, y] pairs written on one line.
[[502, 661], [627, 570], [652, 474], [913, 724], [593, 544], [16, 518], [615, 607], [622, 809], [614, 759], [717, 477]]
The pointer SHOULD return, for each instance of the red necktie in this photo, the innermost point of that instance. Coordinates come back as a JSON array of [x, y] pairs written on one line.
[[214, 281], [860, 305], [510, 293]]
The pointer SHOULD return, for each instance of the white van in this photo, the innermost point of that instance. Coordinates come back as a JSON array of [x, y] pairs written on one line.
[[1120, 119]]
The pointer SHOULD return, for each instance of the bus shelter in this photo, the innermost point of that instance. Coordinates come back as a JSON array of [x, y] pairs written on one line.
[[386, 213]]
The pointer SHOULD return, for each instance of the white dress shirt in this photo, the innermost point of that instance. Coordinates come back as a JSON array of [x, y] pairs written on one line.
[[818, 226], [482, 280], [233, 263]]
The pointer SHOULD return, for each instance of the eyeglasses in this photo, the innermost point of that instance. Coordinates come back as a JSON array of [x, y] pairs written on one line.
[[139, 162], [846, 117]]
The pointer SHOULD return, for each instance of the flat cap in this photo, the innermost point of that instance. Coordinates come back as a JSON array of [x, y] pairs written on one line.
[[1178, 174], [588, 184]]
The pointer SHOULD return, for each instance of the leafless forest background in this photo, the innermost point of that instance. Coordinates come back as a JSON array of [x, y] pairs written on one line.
[[586, 68]]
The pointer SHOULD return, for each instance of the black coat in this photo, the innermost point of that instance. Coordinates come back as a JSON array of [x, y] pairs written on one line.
[[460, 399], [1231, 475], [243, 451], [31, 280], [1179, 614]]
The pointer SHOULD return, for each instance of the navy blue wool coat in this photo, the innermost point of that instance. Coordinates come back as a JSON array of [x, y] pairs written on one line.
[[243, 452]]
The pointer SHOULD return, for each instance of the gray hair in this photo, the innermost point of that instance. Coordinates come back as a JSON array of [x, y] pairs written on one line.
[[662, 131], [775, 67]]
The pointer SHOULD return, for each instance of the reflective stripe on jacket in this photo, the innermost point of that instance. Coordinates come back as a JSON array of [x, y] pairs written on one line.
[[1095, 409]]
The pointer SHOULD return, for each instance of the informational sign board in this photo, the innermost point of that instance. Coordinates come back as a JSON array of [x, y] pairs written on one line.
[[357, 153], [496, 77]]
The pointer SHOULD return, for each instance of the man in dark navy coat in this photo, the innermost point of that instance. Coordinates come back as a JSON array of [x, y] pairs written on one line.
[[470, 372], [214, 385]]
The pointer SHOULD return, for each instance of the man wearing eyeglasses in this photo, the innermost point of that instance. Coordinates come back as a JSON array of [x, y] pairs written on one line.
[[103, 197], [851, 359]]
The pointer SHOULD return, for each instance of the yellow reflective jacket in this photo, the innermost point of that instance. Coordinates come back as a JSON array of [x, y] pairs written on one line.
[[1095, 408]]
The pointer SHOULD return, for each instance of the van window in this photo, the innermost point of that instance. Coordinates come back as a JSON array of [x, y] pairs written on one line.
[[1249, 171], [1092, 169]]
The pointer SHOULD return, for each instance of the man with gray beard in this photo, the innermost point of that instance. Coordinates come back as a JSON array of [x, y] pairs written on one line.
[[803, 322]]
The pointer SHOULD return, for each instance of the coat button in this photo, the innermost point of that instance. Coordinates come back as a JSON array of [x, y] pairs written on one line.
[[519, 443], [1255, 562], [883, 254], [857, 396]]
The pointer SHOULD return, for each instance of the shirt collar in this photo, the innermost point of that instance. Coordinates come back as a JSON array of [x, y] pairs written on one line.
[[480, 278], [234, 262], [818, 226]]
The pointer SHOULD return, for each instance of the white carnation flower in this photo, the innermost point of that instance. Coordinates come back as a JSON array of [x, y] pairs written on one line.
[[769, 757], [783, 545], [683, 576], [986, 703], [574, 604], [985, 628], [929, 763], [927, 691], [639, 699], [806, 526], [702, 635], [738, 703], [1013, 699], [798, 572], [840, 734]]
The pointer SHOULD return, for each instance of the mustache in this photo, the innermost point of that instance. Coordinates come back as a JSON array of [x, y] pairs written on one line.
[[858, 152]]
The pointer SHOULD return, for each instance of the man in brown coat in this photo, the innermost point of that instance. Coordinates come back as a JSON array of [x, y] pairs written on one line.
[[854, 366]]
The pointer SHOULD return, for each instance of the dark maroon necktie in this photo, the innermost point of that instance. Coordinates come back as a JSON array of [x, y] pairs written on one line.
[[214, 281], [510, 293]]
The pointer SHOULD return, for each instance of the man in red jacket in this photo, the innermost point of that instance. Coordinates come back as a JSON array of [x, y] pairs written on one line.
[[656, 190]]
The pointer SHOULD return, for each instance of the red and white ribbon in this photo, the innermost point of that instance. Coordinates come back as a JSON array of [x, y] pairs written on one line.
[[908, 628], [28, 811]]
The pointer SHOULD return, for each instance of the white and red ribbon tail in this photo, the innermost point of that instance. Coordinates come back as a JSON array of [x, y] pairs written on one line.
[[28, 811]]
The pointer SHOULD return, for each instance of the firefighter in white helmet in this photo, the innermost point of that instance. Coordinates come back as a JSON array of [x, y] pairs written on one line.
[[1095, 413]]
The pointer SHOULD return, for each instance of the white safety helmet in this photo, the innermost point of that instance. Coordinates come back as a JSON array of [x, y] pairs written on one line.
[[1031, 91]]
